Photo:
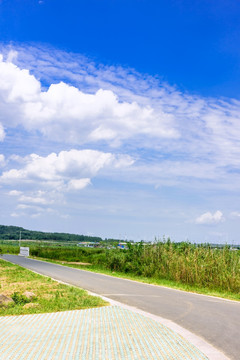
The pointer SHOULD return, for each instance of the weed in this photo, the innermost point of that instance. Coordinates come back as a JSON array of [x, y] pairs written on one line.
[[20, 299]]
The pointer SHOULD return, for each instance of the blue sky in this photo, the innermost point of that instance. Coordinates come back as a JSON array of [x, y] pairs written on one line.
[[121, 118], [193, 44]]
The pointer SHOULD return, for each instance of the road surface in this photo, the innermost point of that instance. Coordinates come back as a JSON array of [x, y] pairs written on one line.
[[214, 319]]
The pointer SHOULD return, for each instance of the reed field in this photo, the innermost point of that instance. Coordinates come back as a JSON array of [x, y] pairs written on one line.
[[199, 266]]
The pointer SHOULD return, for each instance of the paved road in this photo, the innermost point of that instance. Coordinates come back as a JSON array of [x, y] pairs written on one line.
[[214, 319]]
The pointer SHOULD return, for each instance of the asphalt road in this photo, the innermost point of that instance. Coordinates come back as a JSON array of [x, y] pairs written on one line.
[[216, 320]]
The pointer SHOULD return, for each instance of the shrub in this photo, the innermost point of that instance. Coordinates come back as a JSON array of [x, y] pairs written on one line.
[[20, 299]]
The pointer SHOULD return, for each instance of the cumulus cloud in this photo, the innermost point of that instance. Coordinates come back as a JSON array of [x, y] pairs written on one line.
[[74, 167], [65, 113], [210, 218], [45, 181], [17, 85]]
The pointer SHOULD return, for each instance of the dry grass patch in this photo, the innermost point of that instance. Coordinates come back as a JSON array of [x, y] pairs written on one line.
[[75, 263], [51, 296]]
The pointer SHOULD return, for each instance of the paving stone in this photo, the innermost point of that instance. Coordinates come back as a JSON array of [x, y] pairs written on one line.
[[107, 333]]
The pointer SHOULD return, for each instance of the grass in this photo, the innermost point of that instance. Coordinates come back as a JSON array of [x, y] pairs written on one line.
[[51, 296], [148, 280]]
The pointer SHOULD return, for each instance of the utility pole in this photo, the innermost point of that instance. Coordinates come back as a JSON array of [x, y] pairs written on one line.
[[20, 235]]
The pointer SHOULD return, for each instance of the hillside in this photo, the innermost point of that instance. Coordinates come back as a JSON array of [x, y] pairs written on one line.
[[13, 232]]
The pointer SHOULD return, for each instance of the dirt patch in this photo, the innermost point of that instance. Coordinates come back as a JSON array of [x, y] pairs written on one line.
[[30, 305], [5, 300], [29, 295], [75, 263]]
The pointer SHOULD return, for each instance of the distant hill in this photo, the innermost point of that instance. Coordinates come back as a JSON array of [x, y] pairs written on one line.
[[12, 233]]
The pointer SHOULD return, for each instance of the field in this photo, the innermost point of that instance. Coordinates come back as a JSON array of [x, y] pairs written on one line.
[[181, 265], [50, 296]]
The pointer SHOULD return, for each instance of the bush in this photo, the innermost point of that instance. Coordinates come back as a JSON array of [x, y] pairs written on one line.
[[20, 299]]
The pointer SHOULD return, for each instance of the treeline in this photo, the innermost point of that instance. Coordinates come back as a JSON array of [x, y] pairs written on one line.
[[13, 233], [199, 266]]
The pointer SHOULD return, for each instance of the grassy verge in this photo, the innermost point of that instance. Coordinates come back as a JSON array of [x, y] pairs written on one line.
[[51, 296], [161, 282]]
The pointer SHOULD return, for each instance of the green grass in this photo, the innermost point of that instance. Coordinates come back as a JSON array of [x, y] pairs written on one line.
[[148, 280], [51, 296]]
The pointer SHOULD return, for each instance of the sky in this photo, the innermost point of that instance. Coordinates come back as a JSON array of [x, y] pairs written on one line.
[[121, 119]]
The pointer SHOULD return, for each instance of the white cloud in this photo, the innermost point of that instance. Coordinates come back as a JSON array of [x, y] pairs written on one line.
[[15, 214], [15, 193], [36, 215], [35, 200], [67, 166], [31, 209], [24, 207], [64, 113], [34, 203], [47, 180], [12, 56], [17, 85], [235, 214], [210, 218], [78, 184], [2, 160], [2, 133]]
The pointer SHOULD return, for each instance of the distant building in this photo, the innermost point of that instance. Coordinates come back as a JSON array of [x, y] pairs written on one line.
[[122, 245], [88, 244]]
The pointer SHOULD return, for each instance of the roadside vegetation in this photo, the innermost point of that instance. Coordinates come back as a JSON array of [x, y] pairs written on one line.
[[30, 293], [197, 268]]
